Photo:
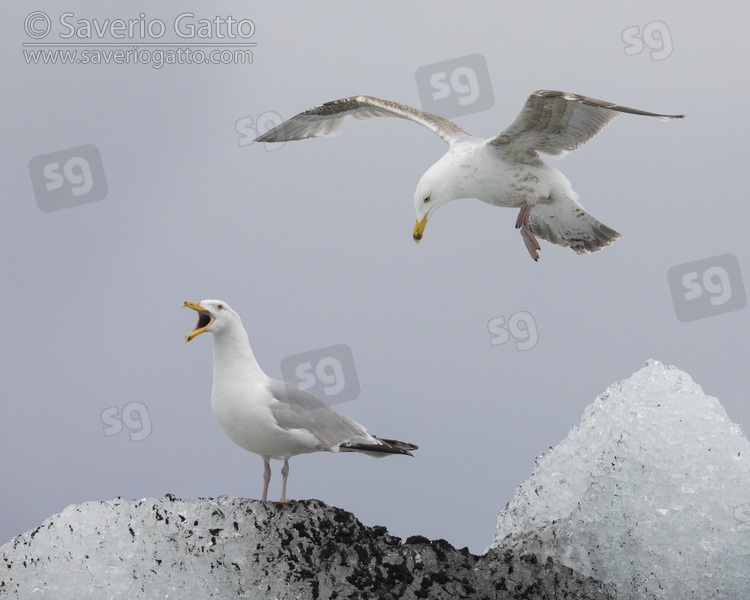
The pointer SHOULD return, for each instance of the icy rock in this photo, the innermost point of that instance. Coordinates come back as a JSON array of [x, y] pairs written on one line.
[[651, 492], [240, 548]]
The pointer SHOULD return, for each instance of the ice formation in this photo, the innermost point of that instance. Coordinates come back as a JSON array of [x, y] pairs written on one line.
[[651, 492], [649, 497], [240, 548]]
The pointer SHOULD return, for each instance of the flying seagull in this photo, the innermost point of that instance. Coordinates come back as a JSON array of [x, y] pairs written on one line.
[[270, 417], [505, 170]]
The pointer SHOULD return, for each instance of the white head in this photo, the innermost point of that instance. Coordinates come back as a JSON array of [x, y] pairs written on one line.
[[214, 316], [436, 188]]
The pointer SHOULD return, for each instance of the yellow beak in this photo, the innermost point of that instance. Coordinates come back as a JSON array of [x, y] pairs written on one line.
[[204, 320], [419, 229]]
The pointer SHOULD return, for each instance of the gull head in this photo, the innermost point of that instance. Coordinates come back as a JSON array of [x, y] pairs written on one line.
[[433, 191], [214, 316]]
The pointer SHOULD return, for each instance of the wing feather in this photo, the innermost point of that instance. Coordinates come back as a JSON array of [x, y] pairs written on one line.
[[298, 409], [330, 118], [556, 123]]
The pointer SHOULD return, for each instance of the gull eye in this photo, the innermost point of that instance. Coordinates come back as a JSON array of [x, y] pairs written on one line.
[[426, 199], [219, 306]]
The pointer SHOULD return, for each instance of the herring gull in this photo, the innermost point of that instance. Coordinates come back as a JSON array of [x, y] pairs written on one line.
[[270, 417], [505, 170]]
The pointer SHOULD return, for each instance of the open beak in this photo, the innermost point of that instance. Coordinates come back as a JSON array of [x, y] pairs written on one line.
[[204, 320], [419, 229]]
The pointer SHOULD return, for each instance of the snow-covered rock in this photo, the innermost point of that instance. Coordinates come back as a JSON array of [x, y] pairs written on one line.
[[239, 548], [651, 492]]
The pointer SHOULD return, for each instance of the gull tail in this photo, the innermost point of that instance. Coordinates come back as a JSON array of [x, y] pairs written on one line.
[[564, 222], [378, 447]]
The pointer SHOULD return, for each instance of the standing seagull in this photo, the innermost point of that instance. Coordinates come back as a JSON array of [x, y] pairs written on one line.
[[505, 170], [270, 417]]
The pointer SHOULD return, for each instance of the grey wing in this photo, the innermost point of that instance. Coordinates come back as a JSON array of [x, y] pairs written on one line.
[[330, 118], [298, 409], [557, 122]]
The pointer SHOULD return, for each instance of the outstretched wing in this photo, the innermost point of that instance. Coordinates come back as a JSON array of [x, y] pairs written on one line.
[[557, 122], [330, 118]]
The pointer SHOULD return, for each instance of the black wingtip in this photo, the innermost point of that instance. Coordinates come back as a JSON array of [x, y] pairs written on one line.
[[384, 447]]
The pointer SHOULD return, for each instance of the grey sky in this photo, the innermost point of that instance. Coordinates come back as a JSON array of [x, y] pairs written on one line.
[[311, 244]]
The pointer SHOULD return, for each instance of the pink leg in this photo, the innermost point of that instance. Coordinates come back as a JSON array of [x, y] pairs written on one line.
[[266, 476], [522, 223], [284, 475], [523, 216], [532, 245]]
